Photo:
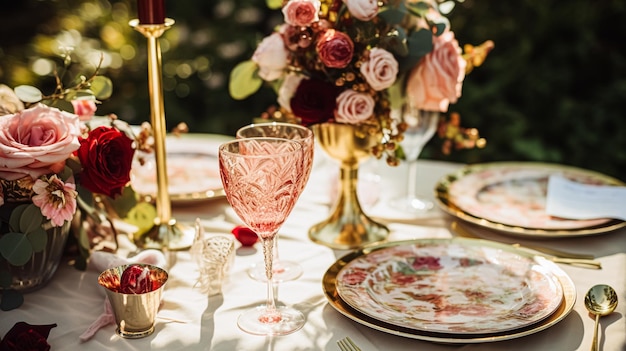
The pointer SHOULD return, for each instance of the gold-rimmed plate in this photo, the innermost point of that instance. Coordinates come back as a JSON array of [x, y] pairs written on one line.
[[510, 197], [356, 313], [192, 169]]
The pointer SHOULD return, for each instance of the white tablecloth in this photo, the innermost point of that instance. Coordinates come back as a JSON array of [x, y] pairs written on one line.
[[190, 320]]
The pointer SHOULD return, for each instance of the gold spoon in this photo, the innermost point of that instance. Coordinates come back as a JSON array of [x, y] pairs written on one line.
[[600, 300]]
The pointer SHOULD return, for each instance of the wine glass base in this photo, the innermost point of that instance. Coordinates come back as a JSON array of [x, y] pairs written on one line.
[[285, 320], [283, 271], [412, 205]]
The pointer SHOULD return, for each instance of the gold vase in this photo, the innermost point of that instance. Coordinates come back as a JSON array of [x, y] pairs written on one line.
[[348, 227]]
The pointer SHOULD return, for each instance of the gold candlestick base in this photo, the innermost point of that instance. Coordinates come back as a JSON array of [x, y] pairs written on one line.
[[171, 235]]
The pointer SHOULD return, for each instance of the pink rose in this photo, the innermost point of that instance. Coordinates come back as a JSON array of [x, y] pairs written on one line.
[[380, 69], [271, 57], [84, 108], [301, 13], [37, 141], [437, 81], [363, 10], [335, 49], [354, 107]]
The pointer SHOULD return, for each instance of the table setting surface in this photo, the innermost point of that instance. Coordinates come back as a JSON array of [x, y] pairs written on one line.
[[188, 319]]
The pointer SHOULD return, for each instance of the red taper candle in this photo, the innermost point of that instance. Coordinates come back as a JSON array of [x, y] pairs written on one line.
[[151, 11]]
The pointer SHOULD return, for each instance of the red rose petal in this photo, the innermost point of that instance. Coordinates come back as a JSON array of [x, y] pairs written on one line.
[[136, 280], [245, 235]]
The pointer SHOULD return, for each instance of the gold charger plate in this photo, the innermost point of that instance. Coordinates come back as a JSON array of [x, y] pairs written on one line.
[[332, 295], [192, 168], [520, 174]]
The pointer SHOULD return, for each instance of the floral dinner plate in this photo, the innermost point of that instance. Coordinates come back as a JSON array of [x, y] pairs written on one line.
[[450, 286], [511, 197]]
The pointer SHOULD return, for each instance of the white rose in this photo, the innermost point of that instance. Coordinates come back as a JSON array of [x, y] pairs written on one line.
[[380, 70], [271, 57], [287, 89], [354, 107], [363, 10]]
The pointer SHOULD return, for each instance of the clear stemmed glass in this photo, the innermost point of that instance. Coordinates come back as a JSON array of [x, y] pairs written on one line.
[[421, 128], [283, 270], [262, 179]]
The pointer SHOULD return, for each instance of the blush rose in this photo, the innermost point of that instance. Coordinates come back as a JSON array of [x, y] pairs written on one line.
[[85, 109], [37, 141], [363, 10], [437, 81], [271, 57], [301, 13], [106, 156], [354, 107], [380, 70], [335, 49]]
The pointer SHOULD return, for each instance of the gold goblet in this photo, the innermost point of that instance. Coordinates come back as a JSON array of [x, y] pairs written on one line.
[[347, 227]]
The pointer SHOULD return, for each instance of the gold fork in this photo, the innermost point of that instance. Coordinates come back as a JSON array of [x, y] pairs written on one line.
[[346, 344]]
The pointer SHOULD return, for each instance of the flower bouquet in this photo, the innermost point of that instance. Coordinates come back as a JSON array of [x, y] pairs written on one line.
[[353, 61], [55, 159]]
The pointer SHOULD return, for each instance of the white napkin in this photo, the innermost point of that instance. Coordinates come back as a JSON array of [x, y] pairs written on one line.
[[573, 200]]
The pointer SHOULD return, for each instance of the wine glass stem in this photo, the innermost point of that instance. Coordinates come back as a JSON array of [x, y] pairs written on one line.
[[268, 254], [412, 179]]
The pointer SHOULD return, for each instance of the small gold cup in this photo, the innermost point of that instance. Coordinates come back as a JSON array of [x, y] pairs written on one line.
[[135, 314]]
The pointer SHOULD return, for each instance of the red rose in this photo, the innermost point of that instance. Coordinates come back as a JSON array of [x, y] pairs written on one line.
[[335, 49], [106, 156], [314, 101], [26, 337]]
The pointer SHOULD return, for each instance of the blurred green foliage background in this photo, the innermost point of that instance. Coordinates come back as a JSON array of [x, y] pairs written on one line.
[[552, 90]]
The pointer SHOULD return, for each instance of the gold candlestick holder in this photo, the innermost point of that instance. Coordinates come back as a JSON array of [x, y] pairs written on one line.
[[166, 232]]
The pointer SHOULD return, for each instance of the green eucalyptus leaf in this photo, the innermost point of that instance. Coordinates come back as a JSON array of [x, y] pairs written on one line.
[[441, 27], [274, 4], [16, 214], [15, 248], [419, 8], [123, 203], [28, 93], [62, 105], [38, 239], [142, 216], [393, 15], [420, 43], [11, 299], [102, 87], [31, 219], [244, 80]]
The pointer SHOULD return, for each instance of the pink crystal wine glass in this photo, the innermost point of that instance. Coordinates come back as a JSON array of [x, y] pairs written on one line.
[[262, 179], [283, 270]]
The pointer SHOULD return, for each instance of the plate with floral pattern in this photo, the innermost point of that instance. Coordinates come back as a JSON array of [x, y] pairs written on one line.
[[457, 286], [511, 197]]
